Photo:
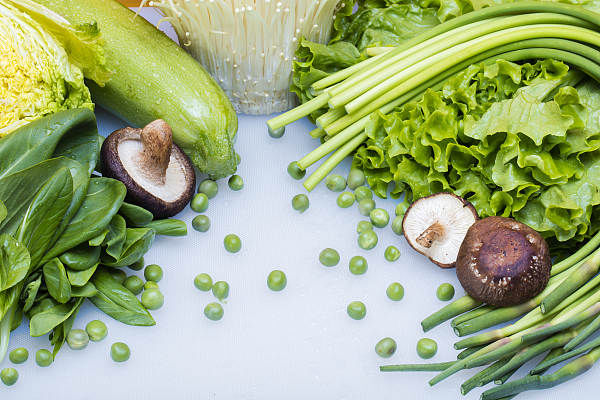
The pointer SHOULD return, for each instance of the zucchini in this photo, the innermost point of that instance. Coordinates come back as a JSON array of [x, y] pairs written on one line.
[[154, 78]]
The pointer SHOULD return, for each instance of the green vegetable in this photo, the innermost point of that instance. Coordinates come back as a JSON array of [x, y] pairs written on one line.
[[356, 310], [143, 88], [209, 188], [335, 183], [199, 203], [203, 282], [445, 292], [135, 215], [119, 352], [395, 291], [201, 223], [362, 192], [294, 171], [300, 202], [57, 282], [150, 285], [152, 299], [386, 347], [168, 227], [329, 257], [235, 183], [14, 262], [276, 133], [345, 199], [363, 226], [367, 240], [379, 217], [397, 225], [18, 355], [77, 339], [213, 311], [276, 281], [220, 290], [365, 206], [358, 265], [96, 330], [9, 376], [43, 358], [426, 348], [118, 275], [391, 253], [401, 208], [232, 243], [153, 272], [134, 284], [356, 178]]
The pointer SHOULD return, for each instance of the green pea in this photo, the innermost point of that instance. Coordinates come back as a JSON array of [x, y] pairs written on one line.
[[362, 193], [44, 358], [356, 178], [295, 171], [119, 352], [220, 290], [426, 348], [367, 240], [300, 202], [209, 188], [138, 265], [213, 311], [203, 282], [401, 209], [96, 330], [77, 339], [118, 275], [18, 355], [153, 272], [329, 257], [335, 183], [134, 284], [379, 217], [152, 299], [199, 203], [150, 285], [445, 292], [276, 133], [365, 206], [391, 253], [235, 183], [364, 226], [345, 199], [386, 347], [276, 281], [358, 265], [232, 243], [201, 223], [356, 310], [397, 225], [395, 291], [9, 376]]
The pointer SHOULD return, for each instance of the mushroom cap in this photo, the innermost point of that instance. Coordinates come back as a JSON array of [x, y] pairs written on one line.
[[503, 262], [449, 216], [163, 190]]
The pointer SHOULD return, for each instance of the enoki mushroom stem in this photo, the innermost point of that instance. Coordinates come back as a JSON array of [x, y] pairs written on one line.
[[431, 234]]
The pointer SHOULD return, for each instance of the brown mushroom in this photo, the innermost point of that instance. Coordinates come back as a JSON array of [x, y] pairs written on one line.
[[436, 225], [503, 262], [158, 175]]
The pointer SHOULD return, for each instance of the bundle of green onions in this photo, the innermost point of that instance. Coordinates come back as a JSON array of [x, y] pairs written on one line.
[[394, 76], [557, 322]]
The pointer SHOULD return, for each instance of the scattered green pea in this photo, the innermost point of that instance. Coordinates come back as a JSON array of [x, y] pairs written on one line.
[[335, 183], [397, 225], [232, 243], [358, 265], [356, 310], [276, 281], [138, 265], [362, 193], [150, 285], [119, 352], [300, 203], [365, 206], [77, 339], [295, 171], [118, 275], [96, 330], [445, 292], [395, 291], [9, 376], [329, 257], [134, 284], [220, 290], [201, 223], [363, 226], [153, 272], [213, 311], [426, 348], [367, 240], [345, 199], [379, 217], [18, 355], [44, 358], [401, 209], [236, 183], [209, 188], [386, 347], [391, 253], [152, 299], [203, 282], [356, 178], [276, 133], [199, 203]]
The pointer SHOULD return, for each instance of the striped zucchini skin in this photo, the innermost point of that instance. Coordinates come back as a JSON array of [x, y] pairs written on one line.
[[154, 78]]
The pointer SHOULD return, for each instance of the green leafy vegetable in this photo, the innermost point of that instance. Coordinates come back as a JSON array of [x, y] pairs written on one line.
[[80, 278], [14, 262], [81, 257], [45, 321], [168, 227], [3, 211], [137, 243], [56, 280], [136, 216]]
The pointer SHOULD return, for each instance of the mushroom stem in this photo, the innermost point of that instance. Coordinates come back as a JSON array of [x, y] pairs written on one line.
[[430, 235], [157, 142]]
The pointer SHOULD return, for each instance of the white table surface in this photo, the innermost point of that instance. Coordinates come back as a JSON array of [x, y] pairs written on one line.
[[295, 344]]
